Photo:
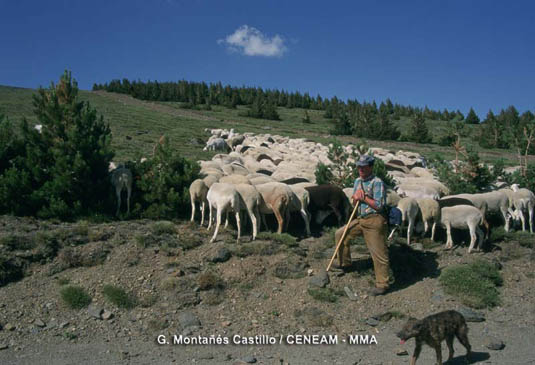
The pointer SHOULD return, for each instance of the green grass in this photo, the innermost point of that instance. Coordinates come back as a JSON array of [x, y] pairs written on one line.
[[283, 239], [163, 227], [325, 294], [118, 296], [75, 297], [473, 284], [137, 125]]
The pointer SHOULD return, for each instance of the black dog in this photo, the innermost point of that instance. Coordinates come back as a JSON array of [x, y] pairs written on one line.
[[434, 329]]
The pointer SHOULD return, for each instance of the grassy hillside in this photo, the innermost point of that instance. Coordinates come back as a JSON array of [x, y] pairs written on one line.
[[137, 125]]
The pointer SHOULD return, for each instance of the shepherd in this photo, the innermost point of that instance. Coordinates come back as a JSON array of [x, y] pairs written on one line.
[[369, 198]]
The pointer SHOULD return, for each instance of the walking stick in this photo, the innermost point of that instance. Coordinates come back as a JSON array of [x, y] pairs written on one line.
[[343, 235]]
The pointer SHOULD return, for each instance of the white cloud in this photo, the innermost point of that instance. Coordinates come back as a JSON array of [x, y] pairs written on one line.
[[251, 42]]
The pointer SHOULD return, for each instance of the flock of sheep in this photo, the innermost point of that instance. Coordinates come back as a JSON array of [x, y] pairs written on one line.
[[271, 174]]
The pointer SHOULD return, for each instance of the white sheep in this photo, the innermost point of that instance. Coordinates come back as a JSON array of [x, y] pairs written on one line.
[[419, 191], [299, 203], [494, 201], [463, 216], [222, 198], [430, 210], [252, 200], [121, 178], [276, 198], [409, 212], [197, 192], [524, 199], [235, 179]]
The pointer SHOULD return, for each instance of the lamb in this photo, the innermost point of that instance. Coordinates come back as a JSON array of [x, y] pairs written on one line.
[[222, 198], [524, 199], [409, 211], [452, 201], [463, 216], [276, 199], [197, 192], [430, 210]]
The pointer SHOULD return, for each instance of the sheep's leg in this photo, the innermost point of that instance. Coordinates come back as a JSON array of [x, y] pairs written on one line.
[[307, 224], [480, 235], [264, 223], [254, 222], [426, 227], [286, 219], [211, 215], [192, 209], [226, 221], [506, 219], [239, 226], [449, 241], [473, 237], [392, 233], [280, 220], [118, 193], [129, 193], [203, 203], [531, 219], [433, 231], [218, 223], [409, 231], [523, 219]]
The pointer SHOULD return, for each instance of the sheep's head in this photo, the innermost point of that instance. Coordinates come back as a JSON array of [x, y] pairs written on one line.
[[515, 187]]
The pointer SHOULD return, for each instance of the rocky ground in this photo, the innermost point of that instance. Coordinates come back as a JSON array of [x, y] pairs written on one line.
[[183, 285]]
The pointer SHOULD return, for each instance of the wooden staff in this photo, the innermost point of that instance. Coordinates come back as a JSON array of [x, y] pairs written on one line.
[[343, 234]]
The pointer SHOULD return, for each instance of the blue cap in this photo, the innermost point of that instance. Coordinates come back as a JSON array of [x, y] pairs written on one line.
[[365, 160]]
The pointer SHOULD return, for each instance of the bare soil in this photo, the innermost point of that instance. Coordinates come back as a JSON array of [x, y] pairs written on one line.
[[263, 289]]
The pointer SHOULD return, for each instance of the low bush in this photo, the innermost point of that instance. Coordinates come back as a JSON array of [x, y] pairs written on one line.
[[75, 297], [118, 297], [473, 284]]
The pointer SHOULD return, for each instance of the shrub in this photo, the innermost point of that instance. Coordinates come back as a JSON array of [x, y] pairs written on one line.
[[160, 228], [325, 294], [75, 297], [209, 280], [161, 184], [474, 284], [118, 297]]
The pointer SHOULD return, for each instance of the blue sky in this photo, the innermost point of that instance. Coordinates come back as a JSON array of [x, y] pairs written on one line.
[[443, 54]]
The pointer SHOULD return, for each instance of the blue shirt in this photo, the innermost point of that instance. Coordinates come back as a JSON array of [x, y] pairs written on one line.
[[374, 188]]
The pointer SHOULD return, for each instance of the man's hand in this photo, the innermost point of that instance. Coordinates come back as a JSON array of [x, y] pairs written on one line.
[[358, 196]]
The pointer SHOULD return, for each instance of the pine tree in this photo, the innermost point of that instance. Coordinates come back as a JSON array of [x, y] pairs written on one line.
[[472, 117], [420, 132], [63, 170]]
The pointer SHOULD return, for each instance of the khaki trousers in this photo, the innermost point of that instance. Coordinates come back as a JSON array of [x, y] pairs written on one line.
[[374, 229]]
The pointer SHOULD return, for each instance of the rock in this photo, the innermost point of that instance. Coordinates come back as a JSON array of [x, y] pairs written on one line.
[[170, 271], [188, 319], [222, 255], [106, 315], [320, 280], [226, 323], [470, 315], [372, 322], [401, 352], [249, 359], [494, 344], [9, 327], [187, 332], [310, 272], [437, 296], [39, 323], [350, 294], [63, 324], [3, 346], [94, 311]]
